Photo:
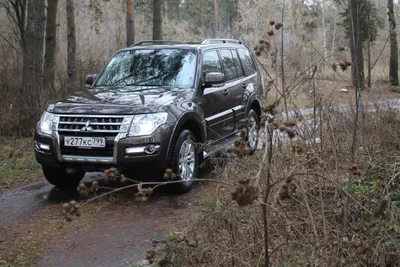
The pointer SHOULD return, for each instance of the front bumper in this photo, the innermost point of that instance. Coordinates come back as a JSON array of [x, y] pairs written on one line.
[[122, 151]]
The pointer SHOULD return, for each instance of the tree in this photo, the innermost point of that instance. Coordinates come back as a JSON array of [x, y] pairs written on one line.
[[157, 20], [16, 11], [71, 39], [356, 48], [32, 74], [51, 41], [130, 22], [393, 65]]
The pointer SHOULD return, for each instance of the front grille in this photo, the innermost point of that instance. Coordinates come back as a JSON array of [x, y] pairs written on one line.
[[96, 124]]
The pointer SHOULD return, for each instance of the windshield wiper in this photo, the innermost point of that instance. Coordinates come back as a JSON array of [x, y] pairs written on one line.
[[147, 85]]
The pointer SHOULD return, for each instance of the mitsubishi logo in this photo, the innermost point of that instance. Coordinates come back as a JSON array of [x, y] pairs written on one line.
[[87, 126]]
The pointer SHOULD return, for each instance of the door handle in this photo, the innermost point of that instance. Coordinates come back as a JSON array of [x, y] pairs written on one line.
[[225, 92], [244, 85]]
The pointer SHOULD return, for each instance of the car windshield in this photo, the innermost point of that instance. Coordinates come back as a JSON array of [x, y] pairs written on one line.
[[151, 67]]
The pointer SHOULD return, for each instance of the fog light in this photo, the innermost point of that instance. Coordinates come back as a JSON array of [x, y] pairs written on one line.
[[151, 149], [42, 146]]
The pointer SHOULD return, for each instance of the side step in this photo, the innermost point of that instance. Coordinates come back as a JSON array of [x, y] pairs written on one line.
[[219, 146]]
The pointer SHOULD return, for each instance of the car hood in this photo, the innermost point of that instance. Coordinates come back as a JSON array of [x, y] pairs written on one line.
[[124, 101]]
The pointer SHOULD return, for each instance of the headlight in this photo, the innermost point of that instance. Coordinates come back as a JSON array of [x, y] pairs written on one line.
[[146, 124], [46, 123]]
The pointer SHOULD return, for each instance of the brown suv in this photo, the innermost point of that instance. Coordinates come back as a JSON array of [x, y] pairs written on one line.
[[149, 108]]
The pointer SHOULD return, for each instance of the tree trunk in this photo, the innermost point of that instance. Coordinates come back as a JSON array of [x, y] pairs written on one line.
[[216, 23], [71, 40], [324, 30], [157, 20], [51, 41], [369, 80], [356, 48], [32, 73], [393, 65], [130, 23]]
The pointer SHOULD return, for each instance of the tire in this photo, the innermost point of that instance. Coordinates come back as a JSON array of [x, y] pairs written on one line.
[[185, 161], [253, 130], [61, 178]]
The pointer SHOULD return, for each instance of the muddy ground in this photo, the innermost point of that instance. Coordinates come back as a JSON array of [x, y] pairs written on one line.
[[115, 231]]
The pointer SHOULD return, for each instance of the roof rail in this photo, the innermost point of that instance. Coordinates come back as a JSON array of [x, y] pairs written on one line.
[[220, 40], [155, 42]]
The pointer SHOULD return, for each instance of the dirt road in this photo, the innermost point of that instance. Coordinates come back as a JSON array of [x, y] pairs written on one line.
[[113, 232]]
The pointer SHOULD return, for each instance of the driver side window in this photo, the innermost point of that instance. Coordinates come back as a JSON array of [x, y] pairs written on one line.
[[210, 64]]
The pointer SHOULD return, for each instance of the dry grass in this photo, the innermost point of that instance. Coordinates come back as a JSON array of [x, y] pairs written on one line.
[[305, 202], [17, 162]]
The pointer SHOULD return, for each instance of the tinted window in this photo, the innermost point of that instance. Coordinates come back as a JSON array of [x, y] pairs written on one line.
[[171, 67], [229, 65], [247, 62], [211, 62], [237, 63]]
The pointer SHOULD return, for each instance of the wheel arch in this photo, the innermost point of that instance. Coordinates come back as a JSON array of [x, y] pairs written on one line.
[[191, 122]]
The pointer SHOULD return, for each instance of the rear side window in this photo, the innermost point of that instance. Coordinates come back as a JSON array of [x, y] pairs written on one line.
[[228, 62], [237, 63], [247, 62]]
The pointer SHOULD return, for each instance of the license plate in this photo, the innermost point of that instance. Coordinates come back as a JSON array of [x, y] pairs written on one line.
[[84, 141]]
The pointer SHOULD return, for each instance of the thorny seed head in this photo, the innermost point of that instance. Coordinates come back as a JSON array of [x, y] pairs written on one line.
[[255, 48], [270, 32], [271, 22], [287, 189], [83, 191], [94, 187], [261, 41], [278, 25], [245, 193], [261, 48], [268, 45], [334, 66], [169, 175], [383, 210], [244, 121], [341, 48], [150, 255], [258, 53]]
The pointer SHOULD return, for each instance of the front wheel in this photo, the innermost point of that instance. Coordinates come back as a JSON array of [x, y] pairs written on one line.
[[185, 161], [61, 177]]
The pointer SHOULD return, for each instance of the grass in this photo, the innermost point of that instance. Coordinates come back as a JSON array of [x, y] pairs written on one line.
[[18, 165]]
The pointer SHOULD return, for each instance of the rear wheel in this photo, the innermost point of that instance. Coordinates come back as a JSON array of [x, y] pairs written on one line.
[[253, 130], [61, 177], [185, 161]]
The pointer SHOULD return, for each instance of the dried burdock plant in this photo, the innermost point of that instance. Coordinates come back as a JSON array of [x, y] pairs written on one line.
[[271, 109], [271, 22], [150, 255], [261, 41], [244, 122], [334, 66], [287, 189], [296, 149], [255, 48], [270, 32], [69, 209], [261, 48], [246, 192], [85, 191], [112, 175], [143, 194], [354, 169], [341, 48], [240, 148], [278, 25], [383, 210], [344, 65], [289, 123], [169, 175], [257, 53], [267, 45]]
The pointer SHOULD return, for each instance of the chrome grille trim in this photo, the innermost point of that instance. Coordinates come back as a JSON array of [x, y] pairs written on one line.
[[90, 123]]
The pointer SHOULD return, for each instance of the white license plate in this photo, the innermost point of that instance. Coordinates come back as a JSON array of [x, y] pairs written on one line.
[[84, 141]]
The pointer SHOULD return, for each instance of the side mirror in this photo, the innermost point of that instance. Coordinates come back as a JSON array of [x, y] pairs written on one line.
[[214, 79], [90, 79]]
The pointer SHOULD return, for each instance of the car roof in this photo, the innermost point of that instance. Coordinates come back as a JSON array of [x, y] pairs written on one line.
[[206, 44]]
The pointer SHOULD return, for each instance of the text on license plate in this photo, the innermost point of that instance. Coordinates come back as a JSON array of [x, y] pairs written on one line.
[[85, 141]]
